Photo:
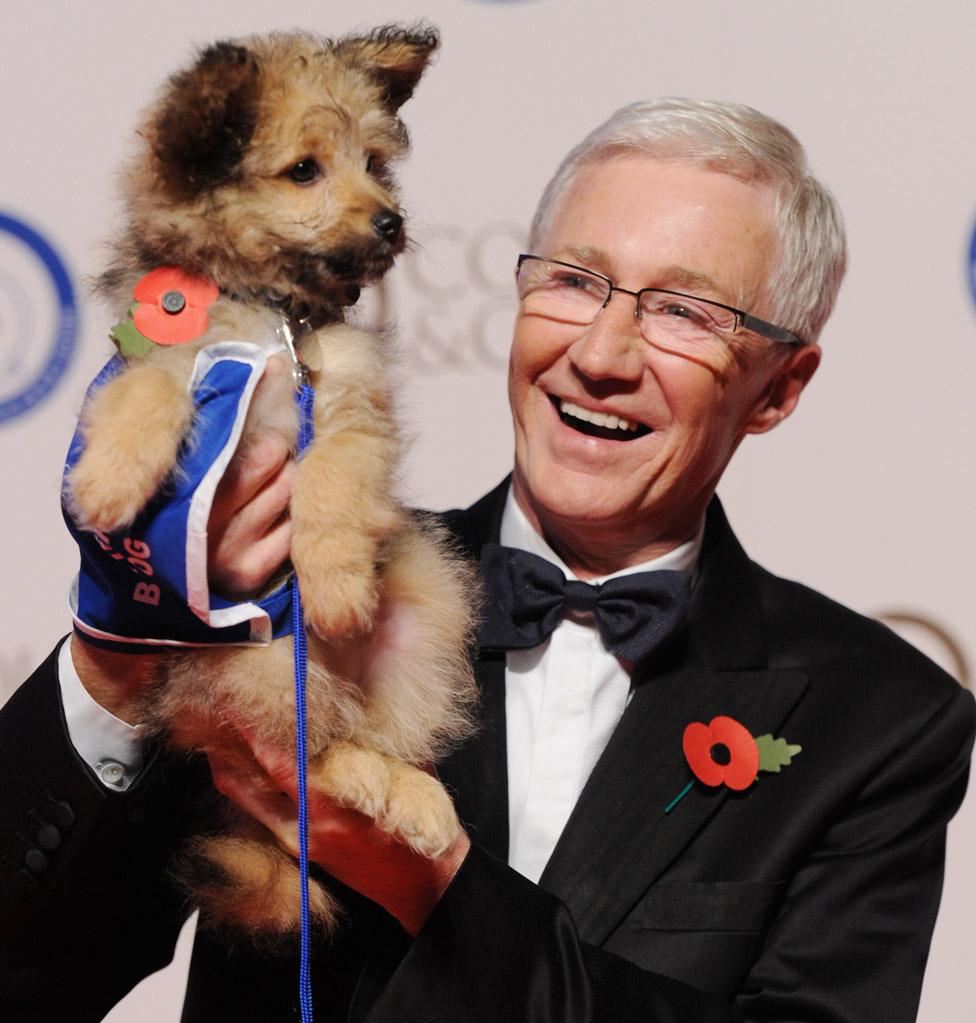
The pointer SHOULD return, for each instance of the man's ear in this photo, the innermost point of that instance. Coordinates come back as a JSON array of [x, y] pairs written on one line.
[[784, 389], [393, 56], [206, 120]]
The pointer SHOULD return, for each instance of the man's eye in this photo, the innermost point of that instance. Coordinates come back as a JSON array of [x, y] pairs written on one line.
[[683, 311], [574, 282], [304, 172]]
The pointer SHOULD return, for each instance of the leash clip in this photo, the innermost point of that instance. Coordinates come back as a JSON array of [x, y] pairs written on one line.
[[299, 369]]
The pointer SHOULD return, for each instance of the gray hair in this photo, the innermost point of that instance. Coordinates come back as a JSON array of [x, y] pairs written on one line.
[[736, 140]]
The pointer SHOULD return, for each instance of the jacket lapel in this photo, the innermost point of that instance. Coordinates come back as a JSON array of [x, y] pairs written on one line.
[[619, 839]]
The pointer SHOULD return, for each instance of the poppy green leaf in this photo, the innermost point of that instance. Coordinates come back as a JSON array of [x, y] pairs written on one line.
[[129, 341], [775, 754]]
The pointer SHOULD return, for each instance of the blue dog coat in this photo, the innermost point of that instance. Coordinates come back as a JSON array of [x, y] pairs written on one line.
[[147, 585]]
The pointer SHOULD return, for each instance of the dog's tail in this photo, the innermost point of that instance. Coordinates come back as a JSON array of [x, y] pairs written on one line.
[[244, 881]]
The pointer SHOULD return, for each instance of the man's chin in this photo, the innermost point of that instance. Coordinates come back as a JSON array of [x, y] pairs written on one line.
[[558, 496]]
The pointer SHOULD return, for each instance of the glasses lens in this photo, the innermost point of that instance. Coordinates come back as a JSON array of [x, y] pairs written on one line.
[[562, 292], [683, 321]]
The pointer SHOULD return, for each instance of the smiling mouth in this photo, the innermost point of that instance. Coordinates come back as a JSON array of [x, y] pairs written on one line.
[[598, 424]]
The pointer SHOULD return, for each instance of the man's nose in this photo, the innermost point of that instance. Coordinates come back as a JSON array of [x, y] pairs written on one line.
[[612, 347]]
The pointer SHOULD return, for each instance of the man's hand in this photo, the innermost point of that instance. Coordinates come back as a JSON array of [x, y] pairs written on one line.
[[249, 532], [345, 843]]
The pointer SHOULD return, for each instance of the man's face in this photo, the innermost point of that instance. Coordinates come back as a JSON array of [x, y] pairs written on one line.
[[646, 223]]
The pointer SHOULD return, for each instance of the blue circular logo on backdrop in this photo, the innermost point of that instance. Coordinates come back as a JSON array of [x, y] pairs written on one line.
[[972, 264], [38, 317]]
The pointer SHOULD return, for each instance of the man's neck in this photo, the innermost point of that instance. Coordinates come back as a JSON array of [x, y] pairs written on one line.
[[118, 682], [594, 552]]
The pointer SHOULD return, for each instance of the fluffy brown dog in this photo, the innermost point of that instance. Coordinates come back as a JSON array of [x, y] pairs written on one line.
[[265, 170]]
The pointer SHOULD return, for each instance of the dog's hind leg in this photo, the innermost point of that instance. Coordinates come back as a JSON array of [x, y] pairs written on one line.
[[133, 428], [419, 811], [403, 800]]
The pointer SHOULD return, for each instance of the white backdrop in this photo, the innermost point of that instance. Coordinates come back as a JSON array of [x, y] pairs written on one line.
[[867, 493]]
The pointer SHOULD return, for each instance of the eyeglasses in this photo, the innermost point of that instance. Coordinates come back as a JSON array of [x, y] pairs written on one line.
[[573, 294]]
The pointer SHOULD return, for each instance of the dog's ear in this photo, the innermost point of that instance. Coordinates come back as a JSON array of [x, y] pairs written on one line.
[[206, 120], [393, 56]]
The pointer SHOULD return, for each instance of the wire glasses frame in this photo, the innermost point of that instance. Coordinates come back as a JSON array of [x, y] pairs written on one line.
[[742, 319]]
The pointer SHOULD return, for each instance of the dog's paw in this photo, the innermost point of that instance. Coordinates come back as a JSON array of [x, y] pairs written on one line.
[[354, 777], [419, 812], [339, 604], [104, 499]]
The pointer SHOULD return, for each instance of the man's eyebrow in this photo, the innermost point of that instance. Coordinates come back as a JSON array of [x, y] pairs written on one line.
[[681, 278], [673, 278], [589, 257]]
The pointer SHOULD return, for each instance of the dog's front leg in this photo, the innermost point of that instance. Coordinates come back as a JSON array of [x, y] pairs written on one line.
[[343, 506], [133, 428]]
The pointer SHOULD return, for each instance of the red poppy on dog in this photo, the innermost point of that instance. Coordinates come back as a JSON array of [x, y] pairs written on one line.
[[721, 752], [172, 305]]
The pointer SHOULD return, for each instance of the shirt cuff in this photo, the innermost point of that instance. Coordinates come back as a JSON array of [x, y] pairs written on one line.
[[112, 748]]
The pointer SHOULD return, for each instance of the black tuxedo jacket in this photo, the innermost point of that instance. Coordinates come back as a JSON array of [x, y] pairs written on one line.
[[810, 896]]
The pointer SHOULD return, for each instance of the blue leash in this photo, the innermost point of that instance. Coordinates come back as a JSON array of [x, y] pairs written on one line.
[[305, 397]]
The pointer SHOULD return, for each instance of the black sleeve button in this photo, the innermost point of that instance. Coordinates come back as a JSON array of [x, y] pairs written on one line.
[[36, 861], [58, 811], [48, 837]]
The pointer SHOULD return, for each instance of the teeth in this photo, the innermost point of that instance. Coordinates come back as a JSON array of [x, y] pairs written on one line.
[[612, 422]]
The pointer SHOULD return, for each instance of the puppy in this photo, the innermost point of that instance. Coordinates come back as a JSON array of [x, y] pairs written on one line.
[[262, 195]]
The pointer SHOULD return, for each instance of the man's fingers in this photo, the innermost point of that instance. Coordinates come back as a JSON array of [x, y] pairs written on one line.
[[248, 536], [244, 572], [264, 558], [268, 503], [279, 765], [247, 548], [249, 473], [275, 810], [265, 508]]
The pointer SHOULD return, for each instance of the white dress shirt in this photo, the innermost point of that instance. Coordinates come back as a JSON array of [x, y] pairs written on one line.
[[109, 746], [563, 700]]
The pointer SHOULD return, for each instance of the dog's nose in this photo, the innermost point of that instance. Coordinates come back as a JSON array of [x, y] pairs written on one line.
[[387, 225]]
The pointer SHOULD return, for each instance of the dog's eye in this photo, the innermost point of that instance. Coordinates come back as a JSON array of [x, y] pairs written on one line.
[[304, 172], [370, 163]]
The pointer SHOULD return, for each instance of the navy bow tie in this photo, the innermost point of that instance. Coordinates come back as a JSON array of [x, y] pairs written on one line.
[[527, 596]]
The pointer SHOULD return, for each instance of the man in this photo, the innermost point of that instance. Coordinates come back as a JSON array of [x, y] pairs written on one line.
[[681, 267]]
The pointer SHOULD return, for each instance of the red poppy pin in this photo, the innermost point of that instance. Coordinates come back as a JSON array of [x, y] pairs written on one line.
[[170, 309], [723, 752]]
